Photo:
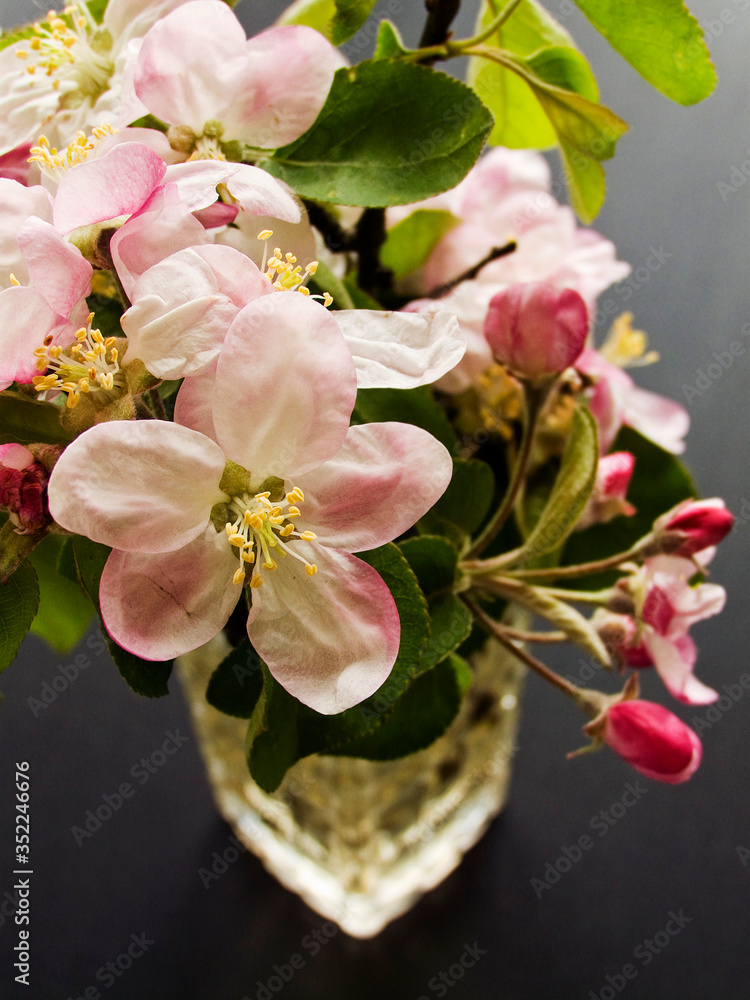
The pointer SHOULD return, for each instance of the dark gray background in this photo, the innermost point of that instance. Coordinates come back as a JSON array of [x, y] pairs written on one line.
[[675, 850]]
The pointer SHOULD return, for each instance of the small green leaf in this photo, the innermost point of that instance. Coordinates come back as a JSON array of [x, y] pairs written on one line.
[[64, 609], [316, 14], [237, 682], [329, 732], [661, 40], [390, 133], [411, 406], [145, 677], [97, 9], [389, 43], [520, 121], [19, 601], [468, 497], [349, 18], [420, 716], [433, 560], [410, 242], [450, 624], [572, 487], [28, 421], [271, 742]]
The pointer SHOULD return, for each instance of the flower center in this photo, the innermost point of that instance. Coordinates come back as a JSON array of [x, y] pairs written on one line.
[[55, 164], [89, 365], [286, 275], [71, 51], [626, 347], [262, 529]]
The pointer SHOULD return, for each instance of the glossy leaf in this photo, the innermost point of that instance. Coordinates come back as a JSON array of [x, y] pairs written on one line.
[[28, 421], [19, 601], [237, 682], [467, 499], [433, 560], [412, 406], [390, 133], [349, 17], [271, 742]]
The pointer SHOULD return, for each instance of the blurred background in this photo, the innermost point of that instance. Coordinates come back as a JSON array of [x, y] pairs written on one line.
[[677, 194]]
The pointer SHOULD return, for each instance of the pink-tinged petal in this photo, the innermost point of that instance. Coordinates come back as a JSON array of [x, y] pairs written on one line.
[[331, 639], [17, 204], [285, 387], [15, 456], [141, 486], [184, 305], [661, 420], [401, 349], [183, 73], [163, 605], [296, 238], [56, 268], [384, 479], [132, 18], [255, 190], [14, 165], [25, 320], [216, 216], [162, 227], [194, 406], [653, 740], [694, 525], [674, 660], [107, 187], [280, 86]]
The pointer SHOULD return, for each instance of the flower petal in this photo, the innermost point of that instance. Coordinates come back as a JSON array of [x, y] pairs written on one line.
[[25, 320], [661, 420], [160, 606], [255, 190], [194, 404], [142, 486], [673, 660], [331, 639], [384, 478], [401, 349], [285, 386], [56, 268]]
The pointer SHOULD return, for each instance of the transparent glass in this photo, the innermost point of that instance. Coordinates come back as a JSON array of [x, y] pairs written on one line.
[[361, 841]]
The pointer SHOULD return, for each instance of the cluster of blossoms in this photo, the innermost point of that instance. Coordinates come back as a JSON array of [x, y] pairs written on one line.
[[209, 438]]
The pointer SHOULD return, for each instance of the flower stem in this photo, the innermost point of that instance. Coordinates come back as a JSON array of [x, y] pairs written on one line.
[[457, 48], [495, 254], [488, 566]]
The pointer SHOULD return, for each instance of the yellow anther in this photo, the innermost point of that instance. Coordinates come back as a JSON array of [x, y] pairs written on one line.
[[265, 234], [22, 54], [312, 267], [309, 536], [311, 569], [55, 352], [286, 530], [263, 496], [257, 581], [304, 290], [238, 540], [293, 512], [269, 564], [248, 556], [327, 299], [239, 575]]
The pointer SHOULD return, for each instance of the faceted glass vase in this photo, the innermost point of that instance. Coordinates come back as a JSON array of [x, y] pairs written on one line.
[[361, 841]]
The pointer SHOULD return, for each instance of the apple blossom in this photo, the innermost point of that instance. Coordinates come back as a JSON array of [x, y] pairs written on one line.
[[197, 71], [536, 330], [693, 526], [264, 483], [651, 739], [607, 499]]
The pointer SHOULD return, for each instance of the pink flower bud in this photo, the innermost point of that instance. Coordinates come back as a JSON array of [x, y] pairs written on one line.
[[695, 525], [607, 499], [22, 485], [535, 329], [653, 740]]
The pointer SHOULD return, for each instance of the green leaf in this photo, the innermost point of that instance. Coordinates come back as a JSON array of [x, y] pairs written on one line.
[[15, 35], [28, 421], [390, 133], [326, 281], [14, 548], [64, 609], [316, 14], [468, 497], [271, 742], [520, 121], [572, 488], [97, 9], [349, 18], [389, 43], [661, 40], [410, 242], [587, 132], [659, 482], [434, 561], [329, 732], [145, 677], [411, 406], [237, 682], [19, 601], [450, 624], [420, 716]]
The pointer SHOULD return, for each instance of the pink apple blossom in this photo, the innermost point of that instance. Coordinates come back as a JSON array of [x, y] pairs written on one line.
[[607, 499], [196, 69], [161, 493], [536, 330], [693, 526], [651, 739]]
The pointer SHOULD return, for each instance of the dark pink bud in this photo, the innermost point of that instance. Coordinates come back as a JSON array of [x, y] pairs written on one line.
[[22, 487], [653, 740], [697, 525], [535, 329]]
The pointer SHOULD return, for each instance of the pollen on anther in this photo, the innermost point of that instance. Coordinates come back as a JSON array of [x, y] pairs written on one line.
[[311, 569]]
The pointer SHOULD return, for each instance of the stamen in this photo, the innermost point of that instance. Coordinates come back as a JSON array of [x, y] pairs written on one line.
[[89, 365], [55, 163]]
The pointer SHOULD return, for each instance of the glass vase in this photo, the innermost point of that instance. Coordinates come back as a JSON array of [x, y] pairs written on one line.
[[360, 841]]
